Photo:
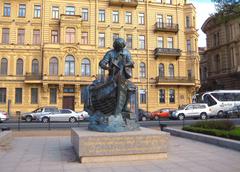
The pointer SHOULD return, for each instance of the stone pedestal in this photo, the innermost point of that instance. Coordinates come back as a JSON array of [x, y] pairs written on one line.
[[145, 144]]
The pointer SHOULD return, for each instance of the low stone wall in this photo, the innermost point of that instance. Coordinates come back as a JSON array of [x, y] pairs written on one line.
[[5, 138], [218, 141], [146, 144]]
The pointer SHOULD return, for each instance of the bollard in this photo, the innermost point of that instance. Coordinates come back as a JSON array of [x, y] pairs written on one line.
[[49, 125], [78, 121], [183, 122], [18, 113]]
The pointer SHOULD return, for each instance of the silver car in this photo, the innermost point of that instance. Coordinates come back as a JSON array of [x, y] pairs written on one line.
[[63, 115], [197, 110]]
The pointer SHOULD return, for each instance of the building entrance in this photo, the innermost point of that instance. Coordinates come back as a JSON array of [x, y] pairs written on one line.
[[68, 102]]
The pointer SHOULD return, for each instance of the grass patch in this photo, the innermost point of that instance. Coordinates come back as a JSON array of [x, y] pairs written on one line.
[[224, 128]]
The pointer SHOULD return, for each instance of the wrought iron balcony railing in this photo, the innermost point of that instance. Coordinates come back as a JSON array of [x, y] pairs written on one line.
[[126, 3], [33, 76], [174, 79], [167, 52], [166, 27]]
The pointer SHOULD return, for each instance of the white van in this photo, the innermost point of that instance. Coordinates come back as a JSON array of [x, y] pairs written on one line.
[[221, 101]]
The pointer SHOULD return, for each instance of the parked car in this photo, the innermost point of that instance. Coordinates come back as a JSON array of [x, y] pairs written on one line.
[[39, 112], [162, 113], [235, 111], [143, 115], [197, 110], [3, 116], [63, 115]]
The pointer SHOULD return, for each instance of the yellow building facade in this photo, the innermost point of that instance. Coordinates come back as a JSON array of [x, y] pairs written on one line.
[[50, 50]]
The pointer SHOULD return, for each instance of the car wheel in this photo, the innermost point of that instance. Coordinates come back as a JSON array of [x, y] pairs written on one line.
[[144, 118], [156, 118], [72, 119], [181, 116], [45, 120], [220, 114], [203, 116], [28, 119]]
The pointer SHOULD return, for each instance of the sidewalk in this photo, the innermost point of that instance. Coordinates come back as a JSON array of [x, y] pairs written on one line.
[[55, 154]]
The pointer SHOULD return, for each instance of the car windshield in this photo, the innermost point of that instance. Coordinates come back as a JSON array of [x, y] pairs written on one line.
[[182, 107]]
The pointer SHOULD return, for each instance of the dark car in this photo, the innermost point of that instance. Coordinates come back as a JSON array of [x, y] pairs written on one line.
[[235, 111], [143, 115]]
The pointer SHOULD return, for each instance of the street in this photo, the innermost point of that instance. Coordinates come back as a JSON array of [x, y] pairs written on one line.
[[14, 124]]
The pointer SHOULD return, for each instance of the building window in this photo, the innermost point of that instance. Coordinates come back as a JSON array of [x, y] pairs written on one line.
[[5, 35], [37, 11], [101, 16], [70, 66], [172, 96], [170, 42], [53, 66], [101, 40], [19, 67], [217, 63], [188, 22], [142, 42], [115, 16], [189, 49], [161, 70], [53, 95], [21, 36], [18, 95], [142, 70], [171, 71], [22, 10], [160, 42], [3, 95], [4, 66], [159, 1], [168, 1], [115, 36], [84, 38], [162, 96], [143, 96], [128, 17], [70, 10], [189, 74], [169, 21], [85, 14], [70, 35], [129, 41], [36, 37], [86, 67], [35, 66], [55, 12], [34, 95], [7, 9], [54, 36], [141, 18], [159, 21]]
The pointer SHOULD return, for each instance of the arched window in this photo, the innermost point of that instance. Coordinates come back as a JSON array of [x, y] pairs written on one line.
[[4, 66], [86, 67], [53, 66], [171, 71], [69, 66], [161, 70], [142, 70], [70, 35], [35, 66], [19, 67]]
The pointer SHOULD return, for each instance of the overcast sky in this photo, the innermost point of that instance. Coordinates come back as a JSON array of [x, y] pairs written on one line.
[[204, 9]]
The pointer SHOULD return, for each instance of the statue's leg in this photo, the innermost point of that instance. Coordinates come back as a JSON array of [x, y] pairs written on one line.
[[121, 97]]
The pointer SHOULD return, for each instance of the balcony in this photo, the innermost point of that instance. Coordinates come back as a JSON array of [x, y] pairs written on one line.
[[167, 52], [33, 78], [73, 19], [125, 3], [166, 27], [175, 80]]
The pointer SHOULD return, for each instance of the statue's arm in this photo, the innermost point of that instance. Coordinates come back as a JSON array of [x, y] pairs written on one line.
[[129, 62], [105, 61]]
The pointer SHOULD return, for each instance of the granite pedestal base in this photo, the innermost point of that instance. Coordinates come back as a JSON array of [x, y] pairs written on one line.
[[145, 144]]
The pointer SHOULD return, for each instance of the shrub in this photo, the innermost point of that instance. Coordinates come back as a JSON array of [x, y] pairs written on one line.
[[220, 125]]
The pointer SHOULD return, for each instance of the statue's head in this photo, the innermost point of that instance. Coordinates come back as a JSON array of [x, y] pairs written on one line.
[[119, 44]]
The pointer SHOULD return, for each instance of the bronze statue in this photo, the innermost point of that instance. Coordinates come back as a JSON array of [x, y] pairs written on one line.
[[112, 103]]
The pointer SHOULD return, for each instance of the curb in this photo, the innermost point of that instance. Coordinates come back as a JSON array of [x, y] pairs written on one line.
[[222, 142]]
